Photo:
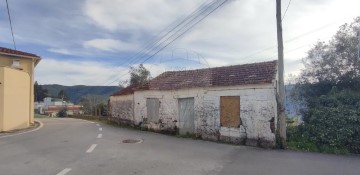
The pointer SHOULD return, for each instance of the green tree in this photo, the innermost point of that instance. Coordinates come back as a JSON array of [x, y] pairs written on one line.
[[39, 92], [102, 109], [139, 75], [333, 63], [336, 59], [328, 91], [91, 103], [62, 113], [63, 95]]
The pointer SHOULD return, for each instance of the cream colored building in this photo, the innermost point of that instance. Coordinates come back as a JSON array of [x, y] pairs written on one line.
[[16, 89]]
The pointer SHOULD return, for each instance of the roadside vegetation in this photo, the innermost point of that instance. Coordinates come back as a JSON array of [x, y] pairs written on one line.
[[327, 93], [40, 116]]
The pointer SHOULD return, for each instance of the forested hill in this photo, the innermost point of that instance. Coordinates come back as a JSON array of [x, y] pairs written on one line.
[[76, 92]]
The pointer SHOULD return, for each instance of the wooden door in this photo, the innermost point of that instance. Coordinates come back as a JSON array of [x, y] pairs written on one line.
[[230, 111], [186, 115], [152, 109]]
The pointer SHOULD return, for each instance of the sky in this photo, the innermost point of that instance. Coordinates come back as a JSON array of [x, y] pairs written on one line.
[[94, 42]]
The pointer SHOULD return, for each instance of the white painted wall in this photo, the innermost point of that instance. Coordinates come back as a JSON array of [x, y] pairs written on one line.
[[257, 108], [121, 107], [168, 112]]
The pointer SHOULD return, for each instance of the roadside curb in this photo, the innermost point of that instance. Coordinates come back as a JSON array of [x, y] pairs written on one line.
[[23, 131]]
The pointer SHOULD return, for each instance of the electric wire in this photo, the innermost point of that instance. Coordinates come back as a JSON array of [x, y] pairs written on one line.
[[176, 37], [185, 27], [11, 28], [286, 10], [183, 32], [152, 45], [182, 22]]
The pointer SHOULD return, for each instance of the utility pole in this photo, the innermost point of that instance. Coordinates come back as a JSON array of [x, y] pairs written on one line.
[[358, 35], [281, 123]]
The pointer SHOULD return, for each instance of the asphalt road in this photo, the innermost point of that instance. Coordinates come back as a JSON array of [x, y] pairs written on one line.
[[78, 147]]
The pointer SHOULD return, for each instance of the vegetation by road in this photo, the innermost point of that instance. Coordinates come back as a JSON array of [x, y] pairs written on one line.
[[40, 116], [328, 95]]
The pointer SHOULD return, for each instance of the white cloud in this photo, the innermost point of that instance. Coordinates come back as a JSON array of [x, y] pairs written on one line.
[[109, 45], [136, 14], [60, 50], [51, 71], [242, 31]]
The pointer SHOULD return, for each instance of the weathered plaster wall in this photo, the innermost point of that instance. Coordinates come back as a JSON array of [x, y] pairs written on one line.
[[121, 108], [168, 111], [257, 113]]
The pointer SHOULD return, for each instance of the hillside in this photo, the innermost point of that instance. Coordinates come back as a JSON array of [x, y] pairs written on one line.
[[76, 92]]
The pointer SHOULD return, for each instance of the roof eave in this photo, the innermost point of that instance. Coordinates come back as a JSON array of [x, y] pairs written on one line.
[[36, 58]]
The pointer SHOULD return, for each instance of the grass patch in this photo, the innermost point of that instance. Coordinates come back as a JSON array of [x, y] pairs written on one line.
[[298, 140], [89, 117], [188, 135], [41, 116]]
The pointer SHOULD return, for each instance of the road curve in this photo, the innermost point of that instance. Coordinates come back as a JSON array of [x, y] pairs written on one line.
[[78, 147]]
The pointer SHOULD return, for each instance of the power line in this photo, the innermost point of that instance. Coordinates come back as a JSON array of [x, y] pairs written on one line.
[[286, 10], [12, 33], [180, 29], [290, 40], [185, 31], [187, 27], [153, 44]]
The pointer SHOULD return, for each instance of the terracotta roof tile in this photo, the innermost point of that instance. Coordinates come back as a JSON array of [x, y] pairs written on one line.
[[16, 52], [57, 108], [128, 90], [255, 73]]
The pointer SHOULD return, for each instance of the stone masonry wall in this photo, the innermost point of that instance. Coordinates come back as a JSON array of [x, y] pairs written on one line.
[[257, 113], [121, 109]]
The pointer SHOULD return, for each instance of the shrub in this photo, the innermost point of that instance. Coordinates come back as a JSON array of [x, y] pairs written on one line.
[[332, 123], [62, 113]]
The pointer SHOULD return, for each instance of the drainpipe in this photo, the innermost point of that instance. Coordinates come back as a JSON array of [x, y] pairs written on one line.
[[31, 112]]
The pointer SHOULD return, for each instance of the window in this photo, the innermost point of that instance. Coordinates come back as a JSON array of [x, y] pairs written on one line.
[[230, 111]]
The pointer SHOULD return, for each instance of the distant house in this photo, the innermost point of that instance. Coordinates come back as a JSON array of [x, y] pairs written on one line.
[[234, 104], [52, 111], [52, 106], [16, 88]]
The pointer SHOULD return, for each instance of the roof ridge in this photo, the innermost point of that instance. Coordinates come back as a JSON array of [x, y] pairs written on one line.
[[211, 68]]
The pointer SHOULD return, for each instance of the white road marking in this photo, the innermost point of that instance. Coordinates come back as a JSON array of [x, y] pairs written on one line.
[[99, 136], [97, 124], [83, 120], [92, 147], [100, 129], [41, 125], [64, 171]]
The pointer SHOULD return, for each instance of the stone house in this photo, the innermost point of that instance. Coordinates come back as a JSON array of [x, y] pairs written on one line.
[[234, 104]]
